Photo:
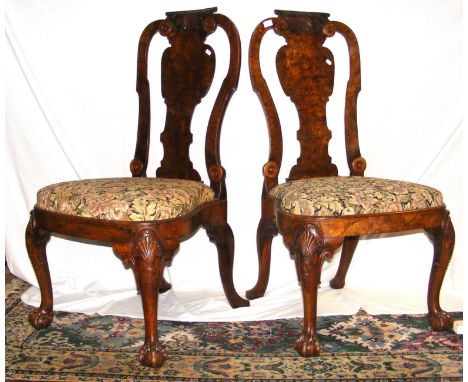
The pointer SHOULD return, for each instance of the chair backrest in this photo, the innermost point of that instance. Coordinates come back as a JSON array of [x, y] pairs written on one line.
[[306, 72], [187, 70]]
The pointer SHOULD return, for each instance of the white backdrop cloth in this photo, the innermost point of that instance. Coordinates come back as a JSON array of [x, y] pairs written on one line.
[[71, 113]]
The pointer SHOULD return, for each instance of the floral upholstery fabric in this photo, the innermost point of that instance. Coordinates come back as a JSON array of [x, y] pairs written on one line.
[[336, 196], [134, 199]]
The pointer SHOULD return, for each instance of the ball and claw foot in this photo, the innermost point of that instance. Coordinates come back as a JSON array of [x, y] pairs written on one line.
[[152, 355], [40, 318], [307, 345], [440, 320]]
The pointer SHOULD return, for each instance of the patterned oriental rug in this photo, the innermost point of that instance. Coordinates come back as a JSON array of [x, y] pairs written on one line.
[[79, 347]]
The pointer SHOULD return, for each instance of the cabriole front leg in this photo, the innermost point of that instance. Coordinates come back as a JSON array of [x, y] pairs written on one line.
[[443, 240], [36, 242], [148, 267], [311, 251]]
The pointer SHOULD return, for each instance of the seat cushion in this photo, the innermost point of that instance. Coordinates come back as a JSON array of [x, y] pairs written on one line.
[[135, 199], [336, 196]]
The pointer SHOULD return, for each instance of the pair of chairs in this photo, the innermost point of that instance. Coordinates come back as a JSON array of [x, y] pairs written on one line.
[[315, 210]]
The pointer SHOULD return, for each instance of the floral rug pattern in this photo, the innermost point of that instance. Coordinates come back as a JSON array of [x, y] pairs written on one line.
[[78, 347]]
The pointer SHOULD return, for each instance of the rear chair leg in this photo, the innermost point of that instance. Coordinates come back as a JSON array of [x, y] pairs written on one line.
[[443, 239], [349, 246], [164, 285], [36, 242], [222, 236], [265, 232]]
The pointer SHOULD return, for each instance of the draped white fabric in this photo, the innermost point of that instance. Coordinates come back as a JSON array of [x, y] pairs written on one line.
[[71, 113]]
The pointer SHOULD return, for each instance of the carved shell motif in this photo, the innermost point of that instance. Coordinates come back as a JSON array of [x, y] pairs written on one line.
[[310, 240], [312, 251], [146, 247]]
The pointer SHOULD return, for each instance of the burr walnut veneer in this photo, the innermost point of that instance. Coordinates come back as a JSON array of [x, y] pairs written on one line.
[[146, 226], [315, 210]]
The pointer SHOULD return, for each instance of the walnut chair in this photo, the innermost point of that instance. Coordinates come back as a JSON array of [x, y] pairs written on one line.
[[145, 219], [315, 210]]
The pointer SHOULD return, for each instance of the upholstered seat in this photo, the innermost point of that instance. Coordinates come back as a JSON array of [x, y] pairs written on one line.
[[336, 196], [131, 199]]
